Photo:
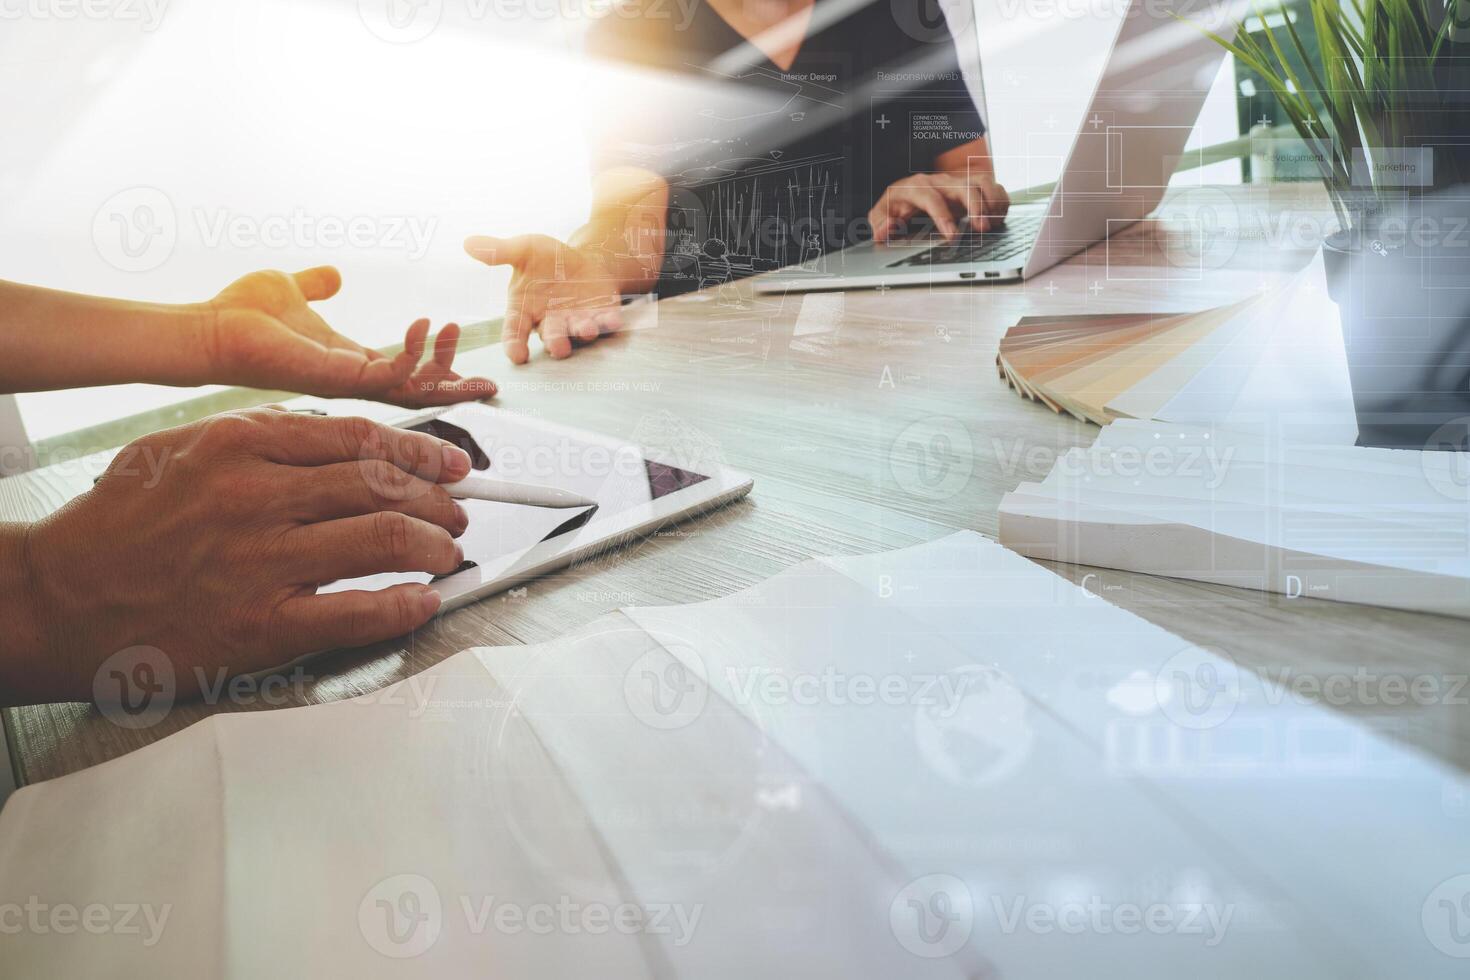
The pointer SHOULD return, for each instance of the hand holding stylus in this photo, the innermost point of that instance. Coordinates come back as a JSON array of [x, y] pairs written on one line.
[[209, 543], [508, 492]]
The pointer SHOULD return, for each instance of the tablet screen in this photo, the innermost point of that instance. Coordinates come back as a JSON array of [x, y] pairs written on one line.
[[515, 448]]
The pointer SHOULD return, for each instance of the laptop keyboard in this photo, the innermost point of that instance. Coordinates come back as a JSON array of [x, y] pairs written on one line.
[[1018, 235]]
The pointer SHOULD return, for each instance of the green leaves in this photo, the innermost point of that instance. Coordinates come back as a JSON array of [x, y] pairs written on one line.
[[1378, 85]]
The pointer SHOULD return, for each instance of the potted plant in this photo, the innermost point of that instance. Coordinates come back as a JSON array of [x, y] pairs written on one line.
[[1385, 112]]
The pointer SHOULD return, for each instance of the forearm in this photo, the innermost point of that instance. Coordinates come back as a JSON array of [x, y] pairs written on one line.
[[51, 339], [627, 227]]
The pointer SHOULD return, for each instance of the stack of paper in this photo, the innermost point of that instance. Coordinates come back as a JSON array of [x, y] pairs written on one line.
[[1277, 351], [939, 762], [1239, 507]]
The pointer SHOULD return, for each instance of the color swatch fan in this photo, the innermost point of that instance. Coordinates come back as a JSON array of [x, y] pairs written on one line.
[[1131, 365]]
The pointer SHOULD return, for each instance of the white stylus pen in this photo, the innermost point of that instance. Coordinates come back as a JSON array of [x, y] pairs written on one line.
[[506, 492]]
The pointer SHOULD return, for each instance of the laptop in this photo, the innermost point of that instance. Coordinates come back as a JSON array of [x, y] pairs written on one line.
[[1129, 143]]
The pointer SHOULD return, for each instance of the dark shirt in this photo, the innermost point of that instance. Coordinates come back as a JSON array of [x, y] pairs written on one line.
[[769, 167]]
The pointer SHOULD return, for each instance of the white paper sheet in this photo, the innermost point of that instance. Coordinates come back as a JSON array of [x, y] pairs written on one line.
[[677, 763], [1288, 366], [1376, 526]]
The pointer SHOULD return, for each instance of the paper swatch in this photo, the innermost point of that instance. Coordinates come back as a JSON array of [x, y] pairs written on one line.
[[1276, 352]]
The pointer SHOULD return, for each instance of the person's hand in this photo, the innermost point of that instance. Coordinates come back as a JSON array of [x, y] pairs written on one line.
[[566, 293], [208, 542], [952, 201], [260, 333]]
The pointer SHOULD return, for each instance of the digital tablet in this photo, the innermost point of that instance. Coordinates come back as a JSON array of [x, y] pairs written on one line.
[[637, 491]]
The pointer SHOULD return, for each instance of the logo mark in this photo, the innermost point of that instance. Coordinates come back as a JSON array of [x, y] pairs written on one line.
[[933, 916], [933, 457], [402, 916], [1446, 465], [1446, 917], [931, 21], [135, 230], [664, 691], [382, 465], [135, 688], [400, 21], [1197, 689], [1200, 229]]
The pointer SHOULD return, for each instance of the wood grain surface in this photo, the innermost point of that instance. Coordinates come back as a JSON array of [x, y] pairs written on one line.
[[892, 429]]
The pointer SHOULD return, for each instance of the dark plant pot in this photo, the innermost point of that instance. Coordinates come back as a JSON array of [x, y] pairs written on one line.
[[1401, 281]]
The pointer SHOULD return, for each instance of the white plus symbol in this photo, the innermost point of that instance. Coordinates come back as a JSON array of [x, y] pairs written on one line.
[[1096, 287], [1265, 120], [1051, 122], [1051, 287], [1096, 120], [883, 121]]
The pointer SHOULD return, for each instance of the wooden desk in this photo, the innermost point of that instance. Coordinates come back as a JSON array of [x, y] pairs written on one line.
[[846, 435]]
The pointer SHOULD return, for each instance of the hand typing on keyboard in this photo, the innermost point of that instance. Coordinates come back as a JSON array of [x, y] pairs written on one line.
[[1012, 239], [956, 202]]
